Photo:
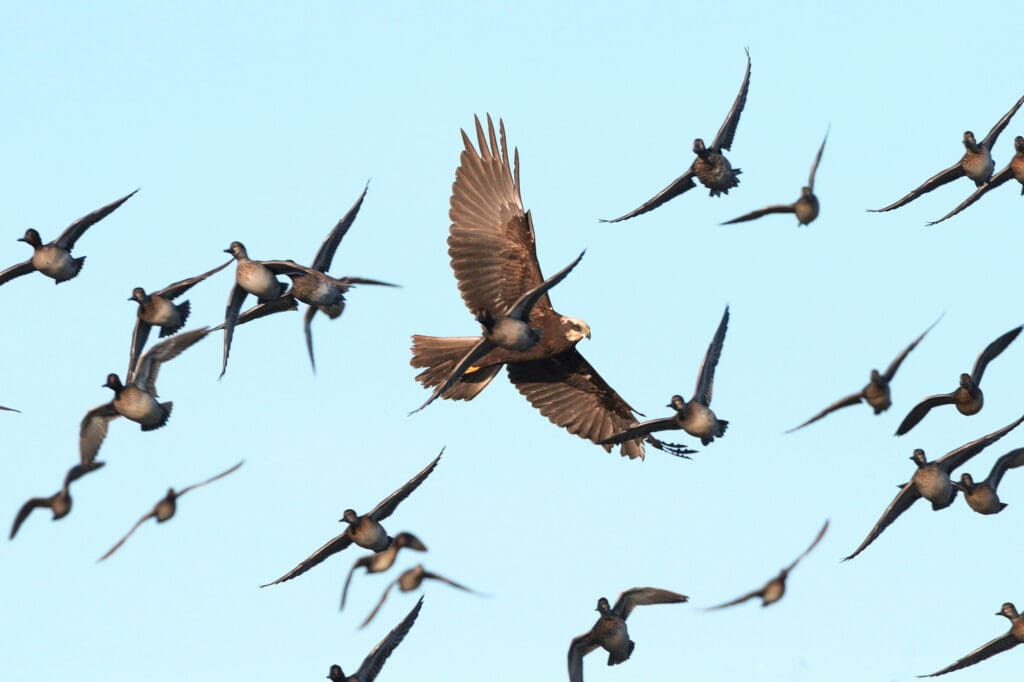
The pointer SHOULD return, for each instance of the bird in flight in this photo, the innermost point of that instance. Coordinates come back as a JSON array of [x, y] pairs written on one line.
[[710, 167]]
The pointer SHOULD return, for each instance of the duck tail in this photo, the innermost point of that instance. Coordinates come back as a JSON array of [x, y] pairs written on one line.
[[440, 355], [615, 658], [76, 267], [167, 415], [184, 308]]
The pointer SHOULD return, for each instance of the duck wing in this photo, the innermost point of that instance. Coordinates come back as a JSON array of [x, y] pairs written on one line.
[[374, 661], [642, 596], [901, 503], [890, 371], [992, 351], [389, 504], [851, 399], [723, 139], [76, 229]]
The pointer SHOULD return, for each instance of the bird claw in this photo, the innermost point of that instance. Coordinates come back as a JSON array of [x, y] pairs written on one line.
[[675, 449]]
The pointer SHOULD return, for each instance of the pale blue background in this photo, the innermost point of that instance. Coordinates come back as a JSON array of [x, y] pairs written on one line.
[[262, 123]]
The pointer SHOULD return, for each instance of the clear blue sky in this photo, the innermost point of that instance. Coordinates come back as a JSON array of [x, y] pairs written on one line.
[[259, 123]]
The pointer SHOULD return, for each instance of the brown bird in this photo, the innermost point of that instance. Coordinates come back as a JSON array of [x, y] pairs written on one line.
[[258, 278], [1014, 169], [510, 331], [409, 581], [54, 259], [135, 399], [976, 162], [876, 393], [710, 167], [166, 507], [610, 632], [158, 309], [374, 661], [364, 530], [494, 256], [695, 417], [805, 208], [326, 294], [776, 587], [60, 502], [982, 497], [378, 562], [968, 397], [998, 645], [931, 481]]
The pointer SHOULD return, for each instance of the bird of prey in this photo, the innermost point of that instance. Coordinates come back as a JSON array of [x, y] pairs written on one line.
[[409, 581], [997, 646], [1014, 169], [364, 530], [258, 278], [378, 562], [876, 393], [136, 399], [165, 508], [54, 259], [510, 330], [158, 309], [326, 294], [695, 417], [968, 397], [60, 502], [982, 497], [710, 167], [805, 208], [494, 256], [776, 587], [931, 481], [610, 630], [374, 661], [976, 162]]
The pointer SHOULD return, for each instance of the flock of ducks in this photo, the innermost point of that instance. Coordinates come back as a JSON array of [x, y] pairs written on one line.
[[492, 245]]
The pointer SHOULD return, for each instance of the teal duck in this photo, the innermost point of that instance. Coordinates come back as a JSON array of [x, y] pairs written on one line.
[[157, 309], [374, 661], [60, 502], [54, 259], [378, 562], [364, 530], [165, 508], [510, 331], [805, 208], [1014, 169], [710, 167], [968, 397], [976, 162], [997, 646], [695, 417], [610, 632], [983, 497], [493, 249], [776, 587], [876, 393], [411, 580], [258, 278], [931, 481], [135, 399], [324, 293]]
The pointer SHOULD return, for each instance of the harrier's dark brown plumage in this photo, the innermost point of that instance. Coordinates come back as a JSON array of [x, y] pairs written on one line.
[[494, 256]]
